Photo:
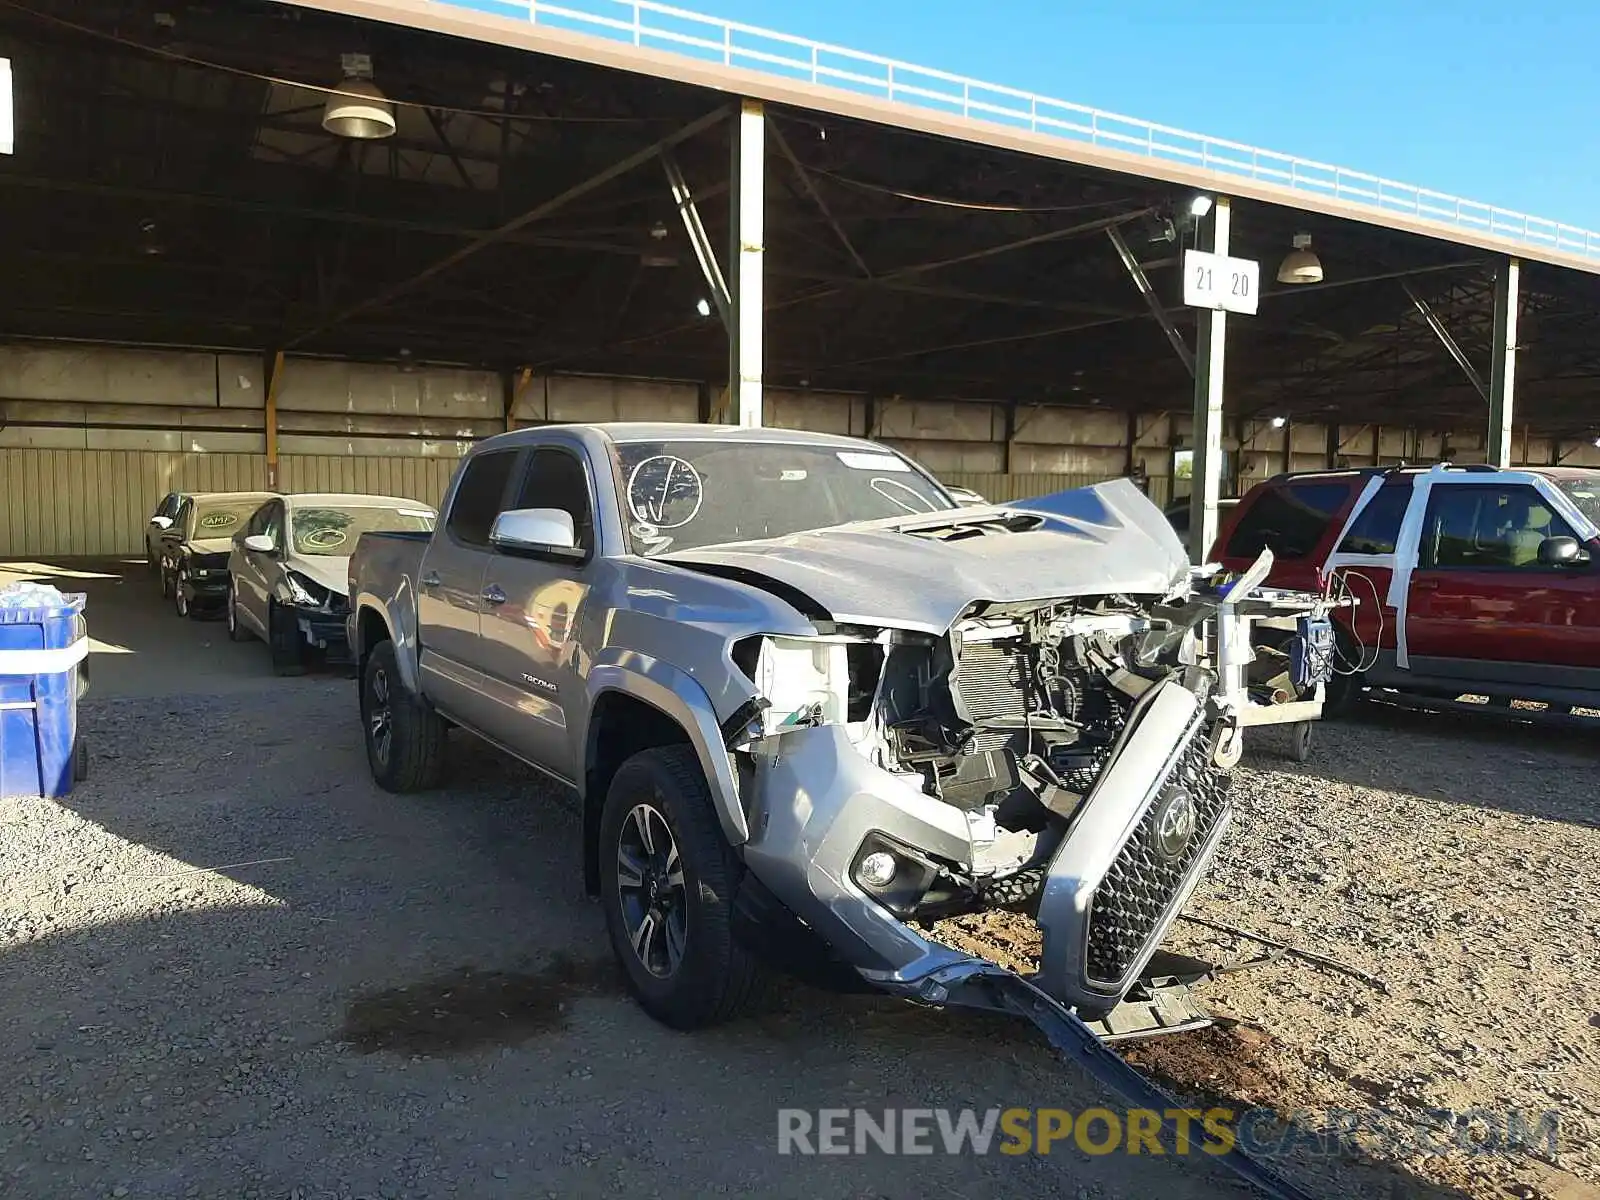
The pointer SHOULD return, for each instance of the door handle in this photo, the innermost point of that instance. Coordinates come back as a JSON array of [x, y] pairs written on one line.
[[1425, 585], [430, 580], [494, 595]]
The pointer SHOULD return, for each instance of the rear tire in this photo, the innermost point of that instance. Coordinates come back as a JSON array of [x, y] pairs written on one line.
[[405, 737], [707, 977], [283, 642]]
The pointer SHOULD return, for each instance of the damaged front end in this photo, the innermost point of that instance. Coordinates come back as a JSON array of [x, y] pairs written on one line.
[[1058, 759]]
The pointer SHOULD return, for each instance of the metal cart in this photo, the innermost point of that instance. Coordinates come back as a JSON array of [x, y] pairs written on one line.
[[1257, 685]]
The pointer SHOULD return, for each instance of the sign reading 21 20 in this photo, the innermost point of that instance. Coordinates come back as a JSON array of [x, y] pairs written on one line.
[[1217, 281]]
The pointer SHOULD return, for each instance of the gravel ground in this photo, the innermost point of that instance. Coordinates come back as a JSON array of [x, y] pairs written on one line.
[[1455, 860], [370, 996], [242, 1032]]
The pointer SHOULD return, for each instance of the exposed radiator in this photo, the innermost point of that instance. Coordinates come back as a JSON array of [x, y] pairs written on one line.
[[992, 682]]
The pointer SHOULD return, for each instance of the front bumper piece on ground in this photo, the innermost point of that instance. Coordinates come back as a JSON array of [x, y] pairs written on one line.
[[1113, 888], [971, 982]]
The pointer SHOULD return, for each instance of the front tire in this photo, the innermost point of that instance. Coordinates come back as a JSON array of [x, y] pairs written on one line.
[[180, 601], [283, 642], [236, 630], [405, 737], [667, 879]]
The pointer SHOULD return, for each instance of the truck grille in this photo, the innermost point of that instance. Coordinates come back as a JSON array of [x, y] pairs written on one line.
[[1143, 883]]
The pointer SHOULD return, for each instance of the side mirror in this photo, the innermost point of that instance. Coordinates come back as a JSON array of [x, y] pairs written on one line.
[[260, 543], [1562, 552], [161, 523], [540, 530]]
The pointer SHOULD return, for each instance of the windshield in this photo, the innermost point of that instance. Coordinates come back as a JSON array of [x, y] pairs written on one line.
[[681, 495], [1584, 491], [335, 530], [222, 518]]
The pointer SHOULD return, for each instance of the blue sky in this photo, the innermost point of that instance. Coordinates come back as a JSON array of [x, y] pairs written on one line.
[[1498, 102]]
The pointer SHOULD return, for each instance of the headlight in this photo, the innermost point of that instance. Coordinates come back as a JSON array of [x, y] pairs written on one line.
[[807, 681], [306, 591]]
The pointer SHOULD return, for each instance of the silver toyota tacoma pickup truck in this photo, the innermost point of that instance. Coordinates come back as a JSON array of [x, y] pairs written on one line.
[[811, 706]]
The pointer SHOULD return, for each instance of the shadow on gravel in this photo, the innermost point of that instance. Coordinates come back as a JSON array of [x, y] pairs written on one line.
[[1457, 758]]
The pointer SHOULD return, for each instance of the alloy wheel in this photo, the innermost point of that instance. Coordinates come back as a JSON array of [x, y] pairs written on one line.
[[380, 717], [651, 890]]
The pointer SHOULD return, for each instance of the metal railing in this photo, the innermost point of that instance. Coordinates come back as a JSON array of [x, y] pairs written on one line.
[[711, 39]]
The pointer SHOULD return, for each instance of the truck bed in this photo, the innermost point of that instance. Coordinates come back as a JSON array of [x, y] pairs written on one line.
[[385, 564]]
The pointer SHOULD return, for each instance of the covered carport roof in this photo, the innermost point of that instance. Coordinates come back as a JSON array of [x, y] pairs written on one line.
[[172, 186]]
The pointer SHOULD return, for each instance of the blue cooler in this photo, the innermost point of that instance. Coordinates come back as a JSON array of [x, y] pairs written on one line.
[[43, 653]]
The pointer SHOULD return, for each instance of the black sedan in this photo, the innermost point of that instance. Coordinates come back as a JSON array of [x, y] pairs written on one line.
[[194, 550]]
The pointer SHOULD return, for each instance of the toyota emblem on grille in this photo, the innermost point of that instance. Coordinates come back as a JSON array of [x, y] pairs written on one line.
[[1174, 826]]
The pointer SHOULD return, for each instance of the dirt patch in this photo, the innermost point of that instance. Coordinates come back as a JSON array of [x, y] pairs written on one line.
[[469, 1009]]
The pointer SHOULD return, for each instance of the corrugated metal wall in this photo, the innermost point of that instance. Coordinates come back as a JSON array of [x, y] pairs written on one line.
[[66, 503], [414, 478], [95, 502], [1018, 487]]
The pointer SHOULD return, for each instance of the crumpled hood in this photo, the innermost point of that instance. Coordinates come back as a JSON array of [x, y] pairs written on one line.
[[332, 571], [1088, 541]]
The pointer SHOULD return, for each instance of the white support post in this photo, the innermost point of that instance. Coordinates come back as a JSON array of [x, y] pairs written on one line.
[[1206, 482], [1503, 364], [748, 203]]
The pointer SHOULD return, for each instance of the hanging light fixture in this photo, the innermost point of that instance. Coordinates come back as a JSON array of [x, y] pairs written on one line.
[[1300, 265], [358, 109]]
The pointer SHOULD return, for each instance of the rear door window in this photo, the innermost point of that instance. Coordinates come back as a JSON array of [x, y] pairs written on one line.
[[1289, 519], [1377, 528]]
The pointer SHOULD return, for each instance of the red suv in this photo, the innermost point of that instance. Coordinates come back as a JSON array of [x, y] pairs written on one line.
[[1470, 579]]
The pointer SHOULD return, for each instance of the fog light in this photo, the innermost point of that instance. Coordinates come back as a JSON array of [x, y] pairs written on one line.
[[877, 869]]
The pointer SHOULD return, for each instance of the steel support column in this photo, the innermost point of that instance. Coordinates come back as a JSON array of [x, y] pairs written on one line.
[[748, 203], [1206, 480], [1503, 364], [270, 417]]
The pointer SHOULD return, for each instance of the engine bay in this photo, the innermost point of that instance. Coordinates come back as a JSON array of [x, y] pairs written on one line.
[[1009, 718]]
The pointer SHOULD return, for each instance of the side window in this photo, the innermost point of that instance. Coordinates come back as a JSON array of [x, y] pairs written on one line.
[[168, 504], [258, 521], [180, 523], [1289, 519], [1377, 529], [556, 479], [1477, 526], [273, 525], [480, 497]]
